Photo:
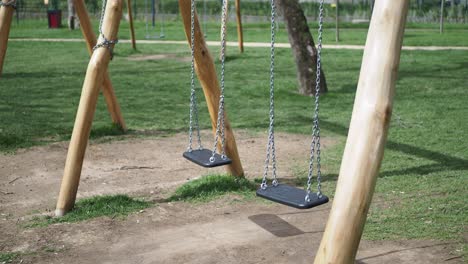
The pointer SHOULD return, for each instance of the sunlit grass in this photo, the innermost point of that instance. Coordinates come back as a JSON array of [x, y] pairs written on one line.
[[98, 206]]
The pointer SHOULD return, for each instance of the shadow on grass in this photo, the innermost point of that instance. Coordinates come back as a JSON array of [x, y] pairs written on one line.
[[434, 73], [230, 58], [112, 130], [444, 161], [11, 142], [38, 75], [360, 261], [347, 89]]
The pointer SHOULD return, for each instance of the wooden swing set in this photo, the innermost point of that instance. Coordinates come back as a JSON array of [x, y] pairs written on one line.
[[366, 137]]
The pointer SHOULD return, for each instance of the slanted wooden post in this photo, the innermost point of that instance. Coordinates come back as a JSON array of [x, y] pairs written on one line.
[[108, 91], [97, 68], [6, 15], [367, 134], [130, 19], [206, 73], [240, 34]]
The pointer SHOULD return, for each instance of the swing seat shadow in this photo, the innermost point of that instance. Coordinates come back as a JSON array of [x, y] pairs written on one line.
[[277, 226]]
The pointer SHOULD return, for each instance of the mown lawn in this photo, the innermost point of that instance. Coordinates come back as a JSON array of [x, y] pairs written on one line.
[[415, 34], [422, 189]]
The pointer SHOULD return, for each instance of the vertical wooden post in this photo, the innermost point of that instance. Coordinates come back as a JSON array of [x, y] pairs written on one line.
[[206, 73], [337, 21], [367, 134], [240, 34], [130, 19], [441, 26], [6, 15], [97, 68], [108, 91]]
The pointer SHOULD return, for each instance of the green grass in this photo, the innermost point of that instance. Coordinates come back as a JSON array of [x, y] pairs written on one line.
[[421, 191], [98, 206], [210, 187], [8, 257], [415, 34]]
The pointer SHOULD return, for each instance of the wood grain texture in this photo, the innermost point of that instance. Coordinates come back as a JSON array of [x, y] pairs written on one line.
[[130, 20], [107, 89], [240, 31], [95, 72], [6, 15], [367, 134], [207, 76]]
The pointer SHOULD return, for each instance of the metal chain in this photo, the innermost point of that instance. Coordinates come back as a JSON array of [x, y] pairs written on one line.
[[193, 95], [316, 127], [220, 123], [105, 43], [11, 3], [271, 150]]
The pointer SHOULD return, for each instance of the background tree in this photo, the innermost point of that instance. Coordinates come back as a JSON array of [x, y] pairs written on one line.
[[302, 45], [72, 21]]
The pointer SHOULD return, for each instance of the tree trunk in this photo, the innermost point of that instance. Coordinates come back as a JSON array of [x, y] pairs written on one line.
[[72, 21], [302, 45]]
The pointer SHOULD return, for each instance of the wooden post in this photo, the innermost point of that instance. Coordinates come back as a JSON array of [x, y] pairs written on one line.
[[441, 26], [97, 68], [130, 19], [240, 34], [6, 15], [206, 73], [337, 21], [108, 91], [367, 134]]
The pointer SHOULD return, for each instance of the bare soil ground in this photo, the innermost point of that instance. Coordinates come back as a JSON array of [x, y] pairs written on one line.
[[227, 230]]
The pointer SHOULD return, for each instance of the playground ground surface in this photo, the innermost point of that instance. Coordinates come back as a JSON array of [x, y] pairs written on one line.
[[231, 229], [419, 208]]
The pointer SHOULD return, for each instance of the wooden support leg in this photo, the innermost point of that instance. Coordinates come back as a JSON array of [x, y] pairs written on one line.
[[6, 15], [206, 73], [130, 19], [97, 68], [367, 134], [108, 91], [240, 34]]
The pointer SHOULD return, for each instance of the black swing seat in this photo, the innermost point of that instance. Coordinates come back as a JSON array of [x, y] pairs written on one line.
[[202, 158], [291, 196]]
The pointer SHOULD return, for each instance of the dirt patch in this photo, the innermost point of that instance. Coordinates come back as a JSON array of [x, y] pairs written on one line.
[[227, 230], [156, 57]]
